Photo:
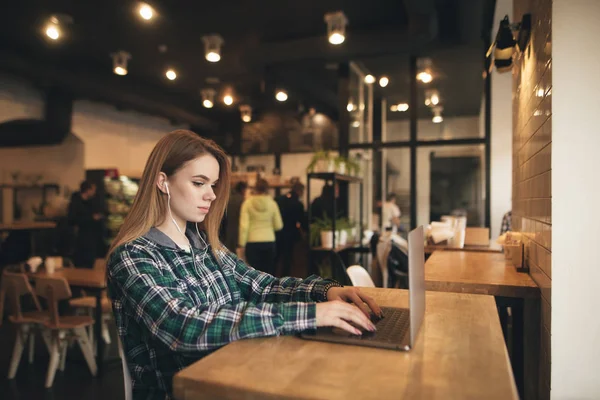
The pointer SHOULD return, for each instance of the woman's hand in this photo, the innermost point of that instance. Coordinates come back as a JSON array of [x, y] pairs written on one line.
[[338, 314], [354, 295]]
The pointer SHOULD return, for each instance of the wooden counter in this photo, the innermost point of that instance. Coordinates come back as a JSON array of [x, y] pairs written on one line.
[[494, 248], [478, 273], [460, 354], [80, 277], [29, 225]]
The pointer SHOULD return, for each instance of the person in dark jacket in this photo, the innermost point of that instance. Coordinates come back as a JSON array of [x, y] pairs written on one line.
[[322, 206], [87, 225], [232, 225], [292, 214]]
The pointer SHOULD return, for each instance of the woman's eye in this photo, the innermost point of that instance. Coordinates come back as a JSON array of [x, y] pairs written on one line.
[[198, 184]]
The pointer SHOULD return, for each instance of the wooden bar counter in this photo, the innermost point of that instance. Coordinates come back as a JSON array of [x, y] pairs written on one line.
[[460, 354], [477, 273]]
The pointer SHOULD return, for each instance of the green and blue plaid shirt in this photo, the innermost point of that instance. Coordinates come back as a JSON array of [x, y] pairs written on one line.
[[171, 310]]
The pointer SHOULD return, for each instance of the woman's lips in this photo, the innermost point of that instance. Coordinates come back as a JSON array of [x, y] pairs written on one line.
[[204, 209]]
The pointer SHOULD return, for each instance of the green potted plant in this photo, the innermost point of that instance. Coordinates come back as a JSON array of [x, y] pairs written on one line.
[[353, 165], [340, 164], [320, 232], [321, 161]]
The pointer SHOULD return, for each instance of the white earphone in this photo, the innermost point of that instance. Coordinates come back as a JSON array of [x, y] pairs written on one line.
[[177, 226]]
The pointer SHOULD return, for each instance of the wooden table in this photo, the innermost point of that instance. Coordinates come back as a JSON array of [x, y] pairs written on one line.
[[460, 354], [93, 281], [27, 226], [489, 273], [494, 248], [477, 273]]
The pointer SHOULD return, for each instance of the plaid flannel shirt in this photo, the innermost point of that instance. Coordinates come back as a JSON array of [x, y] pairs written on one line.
[[171, 311]]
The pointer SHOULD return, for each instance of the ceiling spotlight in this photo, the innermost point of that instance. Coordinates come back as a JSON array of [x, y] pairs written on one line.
[[505, 44], [351, 106], [356, 124], [171, 75], [437, 115], [146, 11], [120, 60], [228, 99], [369, 79], [212, 47], [246, 113], [208, 97], [394, 108], [336, 27], [384, 81], [54, 27], [281, 95], [424, 67], [432, 97], [402, 107]]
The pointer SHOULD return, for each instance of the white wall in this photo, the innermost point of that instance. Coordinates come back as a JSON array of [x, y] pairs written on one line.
[[117, 139], [501, 134], [450, 128], [575, 193]]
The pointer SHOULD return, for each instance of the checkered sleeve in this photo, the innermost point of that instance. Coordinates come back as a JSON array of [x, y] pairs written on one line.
[[258, 286], [170, 316]]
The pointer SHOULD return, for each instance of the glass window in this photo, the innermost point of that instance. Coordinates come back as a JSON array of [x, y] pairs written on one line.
[[396, 171], [451, 180]]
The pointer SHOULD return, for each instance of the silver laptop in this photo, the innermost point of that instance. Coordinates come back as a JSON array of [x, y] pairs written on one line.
[[399, 327]]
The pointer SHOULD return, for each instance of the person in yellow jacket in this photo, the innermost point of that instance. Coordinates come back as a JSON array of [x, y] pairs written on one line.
[[259, 220]]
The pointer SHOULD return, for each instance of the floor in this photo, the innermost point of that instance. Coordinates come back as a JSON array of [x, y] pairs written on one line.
[[75, 383]]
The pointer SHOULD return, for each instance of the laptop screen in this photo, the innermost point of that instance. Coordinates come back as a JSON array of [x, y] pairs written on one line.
[[416, 281]]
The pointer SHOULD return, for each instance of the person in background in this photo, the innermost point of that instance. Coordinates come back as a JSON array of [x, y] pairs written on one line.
[[259, 220], [322, 206], [232, 226], [88, 228], [390, 214], [178, 294], [292, 214], [506, 223]]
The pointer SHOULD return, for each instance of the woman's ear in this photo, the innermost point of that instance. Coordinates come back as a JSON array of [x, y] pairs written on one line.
[[161, 182]]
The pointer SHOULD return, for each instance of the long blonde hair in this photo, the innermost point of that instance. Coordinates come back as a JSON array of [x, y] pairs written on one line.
[[150, 204]]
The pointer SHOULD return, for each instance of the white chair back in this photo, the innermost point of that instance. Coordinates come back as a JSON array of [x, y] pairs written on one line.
[[126, 375], [359, 276]]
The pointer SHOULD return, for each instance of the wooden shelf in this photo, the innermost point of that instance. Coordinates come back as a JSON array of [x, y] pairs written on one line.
[[329, 176]]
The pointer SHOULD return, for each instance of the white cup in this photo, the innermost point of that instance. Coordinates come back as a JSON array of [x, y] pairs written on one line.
[[50, 265]]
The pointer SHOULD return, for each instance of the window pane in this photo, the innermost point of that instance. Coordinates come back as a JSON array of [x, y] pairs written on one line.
[[396, 170], [451, 179]]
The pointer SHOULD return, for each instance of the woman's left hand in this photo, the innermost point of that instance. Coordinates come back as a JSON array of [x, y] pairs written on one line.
[[354, 295]]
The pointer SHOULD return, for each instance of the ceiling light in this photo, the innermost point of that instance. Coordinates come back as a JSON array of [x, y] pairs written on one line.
[[171, 75], [281, 95], [336, 27], [369, 79], [432, 97], [208, 97], [228, 99], [394, 108], [424, 67], [246, 113], [350, 107], [212, 47], [383, 81], [437, 115], [54, 27], [120, 60], [355, 124], [505, 45], [146, 11], [402, 107]]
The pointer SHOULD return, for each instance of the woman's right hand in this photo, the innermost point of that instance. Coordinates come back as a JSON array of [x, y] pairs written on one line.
[[338, 313]]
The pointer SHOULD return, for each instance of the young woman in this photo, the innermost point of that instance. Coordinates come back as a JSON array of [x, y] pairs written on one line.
[[178, 294]]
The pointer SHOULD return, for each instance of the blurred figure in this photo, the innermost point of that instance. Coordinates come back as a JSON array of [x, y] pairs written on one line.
[[322, 206], [506, 223], [86, 222], [259, 219], [232, 224], [390, 214], [292, 214]]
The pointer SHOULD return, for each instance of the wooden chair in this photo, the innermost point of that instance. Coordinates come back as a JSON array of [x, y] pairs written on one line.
[[477, 236], [14, 286], [64, 329], [86, 305]]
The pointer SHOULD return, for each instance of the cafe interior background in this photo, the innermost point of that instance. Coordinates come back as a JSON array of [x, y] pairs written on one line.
[[411, 103]]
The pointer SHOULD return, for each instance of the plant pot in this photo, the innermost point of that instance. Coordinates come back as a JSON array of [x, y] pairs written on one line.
[[327, 239], [353, 234], [343, 236], [341, 168]]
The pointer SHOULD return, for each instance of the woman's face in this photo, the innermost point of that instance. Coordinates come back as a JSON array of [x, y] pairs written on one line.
[[192, 188]]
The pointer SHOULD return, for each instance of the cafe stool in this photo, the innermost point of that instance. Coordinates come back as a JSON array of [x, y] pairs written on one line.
[[87, 306]]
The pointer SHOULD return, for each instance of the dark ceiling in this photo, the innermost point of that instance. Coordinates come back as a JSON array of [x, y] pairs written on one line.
[[268, 43]]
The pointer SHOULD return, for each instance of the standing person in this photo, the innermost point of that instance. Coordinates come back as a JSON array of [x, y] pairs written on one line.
[[179, 295], [88, 228], [322, 206], [259, 220], [390, 214], [232, 227], [292, 214]]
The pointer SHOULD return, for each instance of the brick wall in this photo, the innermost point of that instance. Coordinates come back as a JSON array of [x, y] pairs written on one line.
[[532, 145]]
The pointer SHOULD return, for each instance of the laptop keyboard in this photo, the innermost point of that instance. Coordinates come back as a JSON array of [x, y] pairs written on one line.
[[391, 328]]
